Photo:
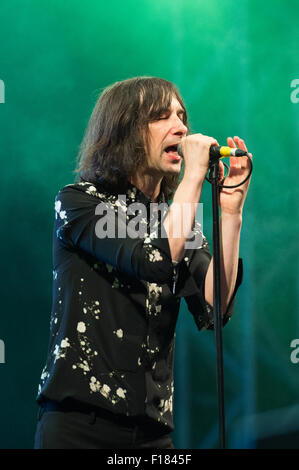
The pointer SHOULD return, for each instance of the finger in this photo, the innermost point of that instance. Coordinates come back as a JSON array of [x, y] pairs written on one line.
[[245, 162], [230, 142], [235, 162], [240, 143]]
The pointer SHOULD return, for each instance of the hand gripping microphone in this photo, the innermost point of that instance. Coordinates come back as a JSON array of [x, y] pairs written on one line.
[[217, 152]]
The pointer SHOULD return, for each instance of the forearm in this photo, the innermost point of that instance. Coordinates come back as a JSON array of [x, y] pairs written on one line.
[[230, 229], [181, 216]]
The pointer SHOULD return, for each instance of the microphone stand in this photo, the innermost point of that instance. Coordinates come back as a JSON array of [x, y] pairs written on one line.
[[214, 178]]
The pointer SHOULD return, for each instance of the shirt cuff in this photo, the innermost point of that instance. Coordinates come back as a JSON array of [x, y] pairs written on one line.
[[202, 311]]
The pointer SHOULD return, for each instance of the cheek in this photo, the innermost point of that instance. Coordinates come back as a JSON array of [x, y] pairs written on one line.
[[155, 148], [156, 135]]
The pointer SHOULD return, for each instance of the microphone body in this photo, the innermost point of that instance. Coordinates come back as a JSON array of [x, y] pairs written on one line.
[[219, 151]]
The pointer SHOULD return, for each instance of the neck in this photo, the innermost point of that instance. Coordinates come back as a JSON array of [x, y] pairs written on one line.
[[150, 185]]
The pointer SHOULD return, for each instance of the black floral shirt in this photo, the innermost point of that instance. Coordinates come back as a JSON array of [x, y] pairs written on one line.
[[115, 303]]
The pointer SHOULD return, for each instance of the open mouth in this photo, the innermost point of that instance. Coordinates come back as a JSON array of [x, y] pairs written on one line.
[[172, 153], [171, 149]]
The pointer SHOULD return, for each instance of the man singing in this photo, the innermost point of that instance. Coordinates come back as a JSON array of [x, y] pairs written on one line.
[[121, 268]]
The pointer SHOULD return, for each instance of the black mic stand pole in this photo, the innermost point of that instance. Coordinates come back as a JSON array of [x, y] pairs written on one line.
[[214, 177]]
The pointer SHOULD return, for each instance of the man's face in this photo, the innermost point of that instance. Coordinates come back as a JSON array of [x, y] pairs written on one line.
[[163, 134]]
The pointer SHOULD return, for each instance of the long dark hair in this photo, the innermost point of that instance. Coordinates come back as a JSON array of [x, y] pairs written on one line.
[[116, 139]]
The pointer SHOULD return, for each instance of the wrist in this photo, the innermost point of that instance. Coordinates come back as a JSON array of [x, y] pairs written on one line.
[[193, 177], [232, 217]]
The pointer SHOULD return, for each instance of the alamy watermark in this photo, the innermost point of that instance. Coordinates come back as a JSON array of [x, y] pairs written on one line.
[[2, 352], [2, 91], [295, 93], [134, 220], [295, 353]]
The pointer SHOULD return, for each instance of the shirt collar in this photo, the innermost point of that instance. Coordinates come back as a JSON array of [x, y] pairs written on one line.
[[133, 194]]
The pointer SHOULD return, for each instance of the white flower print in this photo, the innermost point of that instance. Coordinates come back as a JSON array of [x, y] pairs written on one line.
[[165, 405], [105, 390], [57, 353], [84, 365], [131, 193], [94, 384], [119, 333], [153, 307], [155, 255], [91, 190], [45, 374], [65, 343], [57, 206], [92, 309], [62, 214], [81, 327], [121, 392]]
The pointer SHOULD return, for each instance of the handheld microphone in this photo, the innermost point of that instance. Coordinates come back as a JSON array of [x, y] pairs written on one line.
[[219, 151]]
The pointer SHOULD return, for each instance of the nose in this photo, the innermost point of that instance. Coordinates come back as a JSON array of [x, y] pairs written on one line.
[[179, 127]]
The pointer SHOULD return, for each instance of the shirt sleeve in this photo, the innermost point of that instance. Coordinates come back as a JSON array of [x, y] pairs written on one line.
[[76, 228], [191, 273]]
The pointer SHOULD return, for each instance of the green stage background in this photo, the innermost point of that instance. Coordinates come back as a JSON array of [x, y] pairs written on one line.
[[234, 63]]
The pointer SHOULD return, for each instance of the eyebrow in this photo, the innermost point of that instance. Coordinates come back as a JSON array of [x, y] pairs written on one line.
[[179, 111]]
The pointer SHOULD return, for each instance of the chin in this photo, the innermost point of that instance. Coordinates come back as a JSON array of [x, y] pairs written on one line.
[[173, 169]]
